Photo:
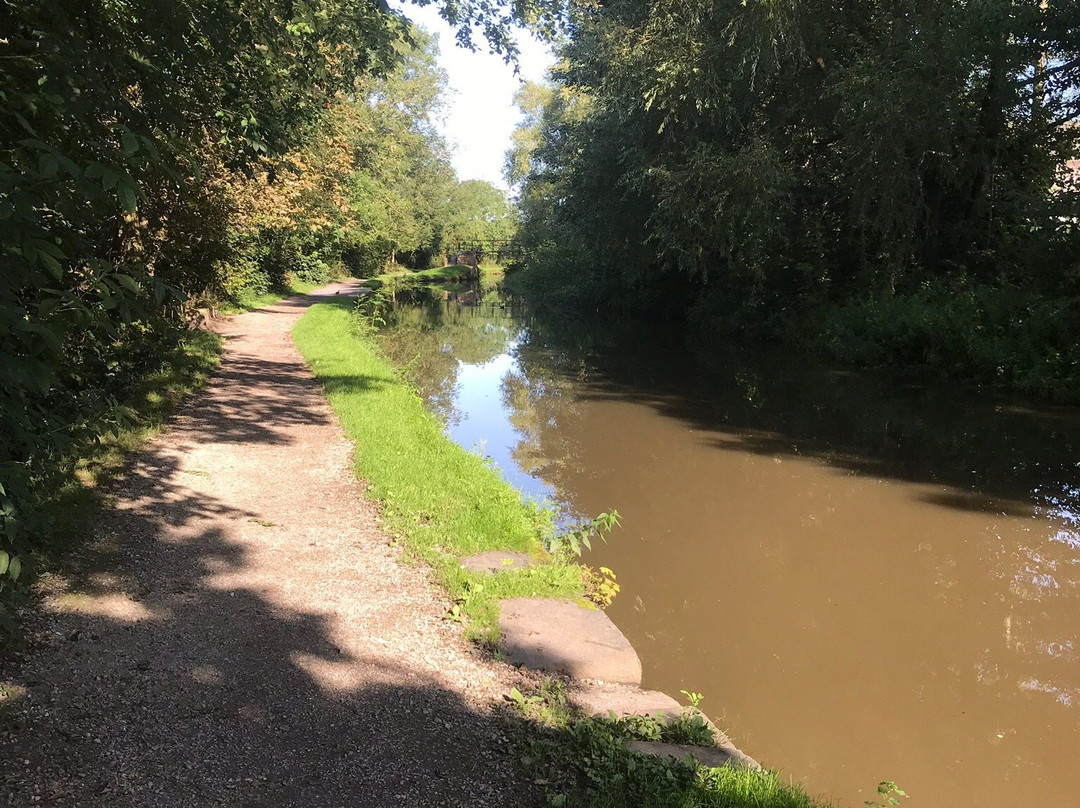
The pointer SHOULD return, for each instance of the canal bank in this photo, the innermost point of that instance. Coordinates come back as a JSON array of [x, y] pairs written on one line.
[[446, 503], [874, 579]]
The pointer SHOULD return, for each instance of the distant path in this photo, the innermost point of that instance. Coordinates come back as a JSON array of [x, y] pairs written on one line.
[[241, 634]]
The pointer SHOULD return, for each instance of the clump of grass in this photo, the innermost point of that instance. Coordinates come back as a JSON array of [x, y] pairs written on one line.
[[443, 502], [589, 763]]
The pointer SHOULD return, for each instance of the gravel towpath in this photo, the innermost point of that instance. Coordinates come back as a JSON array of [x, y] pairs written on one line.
[[241, 633]]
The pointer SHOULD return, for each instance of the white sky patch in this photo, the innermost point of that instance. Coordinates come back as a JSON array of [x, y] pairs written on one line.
[[480, 113]]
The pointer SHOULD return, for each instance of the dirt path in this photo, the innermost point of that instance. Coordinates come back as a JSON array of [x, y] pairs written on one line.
[[243, 635]]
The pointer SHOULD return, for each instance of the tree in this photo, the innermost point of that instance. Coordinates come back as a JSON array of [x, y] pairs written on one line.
[[129, 130], [478, 213], [774, 150]]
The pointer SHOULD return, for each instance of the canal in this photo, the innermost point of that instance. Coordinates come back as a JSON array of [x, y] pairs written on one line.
[[868, 579]]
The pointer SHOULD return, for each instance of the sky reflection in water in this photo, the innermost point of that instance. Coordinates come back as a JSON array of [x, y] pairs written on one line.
[[867, 582]]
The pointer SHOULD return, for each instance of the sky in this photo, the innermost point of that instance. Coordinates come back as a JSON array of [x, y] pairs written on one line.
[[481, 113]]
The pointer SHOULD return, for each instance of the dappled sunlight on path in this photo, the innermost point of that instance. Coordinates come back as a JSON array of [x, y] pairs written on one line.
[[241, 634]]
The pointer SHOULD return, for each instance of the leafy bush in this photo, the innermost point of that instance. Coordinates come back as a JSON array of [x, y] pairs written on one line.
[[1000, 336]]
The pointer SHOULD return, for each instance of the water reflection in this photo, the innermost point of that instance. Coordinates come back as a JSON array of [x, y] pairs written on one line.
[[875, 579]]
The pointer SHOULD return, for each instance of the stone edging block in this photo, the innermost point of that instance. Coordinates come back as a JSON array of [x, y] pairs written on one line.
[[552, 635]]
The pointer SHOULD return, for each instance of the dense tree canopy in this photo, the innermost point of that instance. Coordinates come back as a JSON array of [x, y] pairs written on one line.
[[478, 213], [747, 161]]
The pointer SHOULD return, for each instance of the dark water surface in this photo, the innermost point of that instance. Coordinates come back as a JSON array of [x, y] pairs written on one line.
[[868, 581]]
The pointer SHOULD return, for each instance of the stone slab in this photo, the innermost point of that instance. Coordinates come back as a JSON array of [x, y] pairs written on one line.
[[552, 635], [496, 561], [624, 700], [711, 756]]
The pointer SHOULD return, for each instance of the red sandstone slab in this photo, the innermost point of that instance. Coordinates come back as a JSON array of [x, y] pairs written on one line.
[[712, 756], [552, 635], [624, 700]]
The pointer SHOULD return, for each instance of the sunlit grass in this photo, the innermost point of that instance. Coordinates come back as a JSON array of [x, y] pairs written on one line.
[[444, 502], [589, 763], [447, 274], [248, 300]]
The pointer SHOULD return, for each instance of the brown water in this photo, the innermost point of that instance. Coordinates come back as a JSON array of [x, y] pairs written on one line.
[[867, 581]]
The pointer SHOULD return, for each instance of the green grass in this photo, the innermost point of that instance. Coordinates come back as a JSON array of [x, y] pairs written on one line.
[[589, 764], [151, 400], [586, 761], [248, 300], [441, 274], [445, 503], [442, 501]]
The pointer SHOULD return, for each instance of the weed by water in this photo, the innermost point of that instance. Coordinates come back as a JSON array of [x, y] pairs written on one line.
[[574, 541], [890, 794], [589, 763]]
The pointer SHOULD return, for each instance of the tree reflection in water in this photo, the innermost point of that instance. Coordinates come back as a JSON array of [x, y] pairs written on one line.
[[895, 566]]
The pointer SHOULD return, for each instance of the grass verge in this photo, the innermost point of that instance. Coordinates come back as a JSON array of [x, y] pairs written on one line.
[[442, 501], [446, 503], [150, 400], [592, 765], [587, 761]]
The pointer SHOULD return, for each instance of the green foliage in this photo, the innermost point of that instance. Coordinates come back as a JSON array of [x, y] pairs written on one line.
[[369, 182], [548, 706], [478, 213], [601, 585], [689, 727], [532, 100], [575, 540], [119, 122], [1007, 337], [151, 155], [587, 763], [693, 697], [890, 795], [745, 165]]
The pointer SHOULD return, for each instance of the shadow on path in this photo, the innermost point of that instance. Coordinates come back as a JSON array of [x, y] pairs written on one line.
[[172, 671]]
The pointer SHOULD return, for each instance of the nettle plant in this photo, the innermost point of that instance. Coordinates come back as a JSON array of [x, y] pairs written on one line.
[[600, 584], [575, 541], [889, 793]]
